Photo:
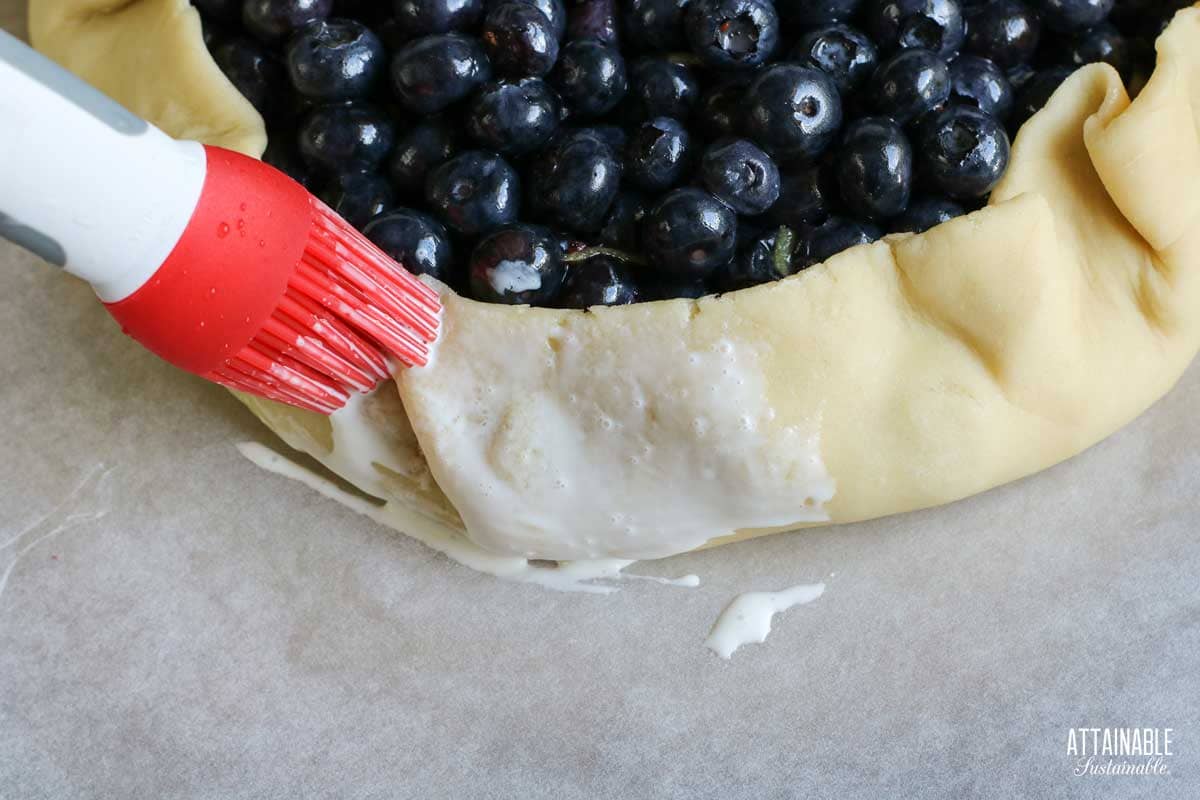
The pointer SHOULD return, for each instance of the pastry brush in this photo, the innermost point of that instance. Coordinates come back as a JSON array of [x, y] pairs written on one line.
[[217, 262]]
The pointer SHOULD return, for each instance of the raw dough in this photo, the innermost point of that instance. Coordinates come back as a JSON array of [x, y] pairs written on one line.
[[937, 365]]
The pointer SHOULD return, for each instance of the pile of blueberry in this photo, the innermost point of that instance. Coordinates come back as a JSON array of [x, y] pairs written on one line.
[[581, 152]]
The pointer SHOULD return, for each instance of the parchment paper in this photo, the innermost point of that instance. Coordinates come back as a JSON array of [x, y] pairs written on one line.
[[175, 622]]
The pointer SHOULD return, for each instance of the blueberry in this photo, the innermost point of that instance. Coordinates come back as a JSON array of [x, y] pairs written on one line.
[[227, 11], [793, 111], [622, 224], [911, 83], [658, 153], [358, 196], [935, 25], [519, 39], [835, 235], [598, 281], [575, 180], [806, 197], [474, 192], [925, 213], [766, 259], [431, 73], [965, 151], [275, 20], [659, 87], [655, 25], [1037, 91], [337, 59], [553, 10], [594, 20], [257, 74], [1103, 43], [843, 53], [418, 151], [732, 34], [591, 78], [1018, 76], [342, 138], [978, 82], [612, 135], [720, 109], [814, 13], [414, 240], [674, 287], [1074, 15], [875, 168], [740, 175], [689, 233], [513, 117], [517, 265], [285, 159], [424, 17], [1006, 31]]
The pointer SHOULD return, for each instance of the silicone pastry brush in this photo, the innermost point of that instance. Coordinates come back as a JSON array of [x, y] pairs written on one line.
[[218, 263]]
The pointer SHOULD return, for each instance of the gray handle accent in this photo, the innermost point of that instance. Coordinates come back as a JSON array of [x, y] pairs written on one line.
[[34, 241], [69, 86]]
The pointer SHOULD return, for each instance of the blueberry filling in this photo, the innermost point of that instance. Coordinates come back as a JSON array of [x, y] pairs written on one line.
[[576, 153]]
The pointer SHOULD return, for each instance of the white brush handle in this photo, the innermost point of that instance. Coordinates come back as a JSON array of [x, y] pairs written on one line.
[[84, 183]]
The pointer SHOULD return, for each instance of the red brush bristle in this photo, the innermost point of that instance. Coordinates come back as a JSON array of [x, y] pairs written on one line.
[[346, 305]]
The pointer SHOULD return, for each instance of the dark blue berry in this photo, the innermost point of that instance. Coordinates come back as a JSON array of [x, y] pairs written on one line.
[[658, 154], [875, 168], [257, 74], [732, 34], [435, 71], [337, 59], [814, 13], [766, 258], [284, 158], [227, 11], [722, 108], [623, 223], [474, 192], [591, 77], [274, 20], [519, 39], [553, 10], [740, 175], [935, 25], [358, 196], [655, 25], [1074, 15], [343, 138], [689, 232], [424, 17], [1101, 44], [517, 265], [598, 281], [612, 135], [575, 180], [659, 87], [1006, 31], [978, 82], [843, 53], [513, 117], [793, 111], [924, 213], [910, 84], [835, 235], [414, 240], [964, 151], [418, 151], [595, 20], [806, 197]]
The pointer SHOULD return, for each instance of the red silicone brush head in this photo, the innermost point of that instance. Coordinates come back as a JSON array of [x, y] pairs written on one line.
[[269, 292]]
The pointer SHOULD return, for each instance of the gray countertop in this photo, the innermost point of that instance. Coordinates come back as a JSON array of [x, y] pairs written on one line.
[[176, 623]]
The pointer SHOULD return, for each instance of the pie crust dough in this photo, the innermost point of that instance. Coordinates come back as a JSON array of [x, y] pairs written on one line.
[[937, 365]]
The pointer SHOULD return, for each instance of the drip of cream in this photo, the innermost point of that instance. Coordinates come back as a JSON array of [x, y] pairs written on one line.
[[747, 620], [567, 576]]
